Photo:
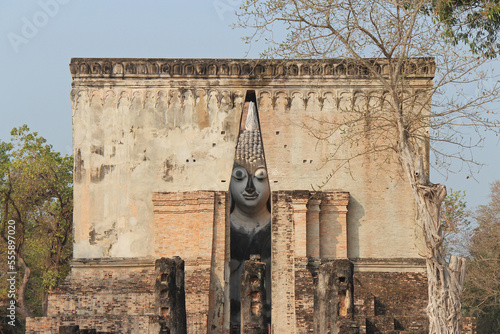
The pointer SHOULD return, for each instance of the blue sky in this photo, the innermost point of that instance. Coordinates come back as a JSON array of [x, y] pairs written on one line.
[[38, 39]]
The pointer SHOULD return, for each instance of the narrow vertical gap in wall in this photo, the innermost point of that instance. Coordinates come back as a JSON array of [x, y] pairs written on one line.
[[250, 96], [250, 215]]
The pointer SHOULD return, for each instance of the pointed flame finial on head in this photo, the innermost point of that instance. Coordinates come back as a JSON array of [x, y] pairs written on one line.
[[249, 151], [252, 122]]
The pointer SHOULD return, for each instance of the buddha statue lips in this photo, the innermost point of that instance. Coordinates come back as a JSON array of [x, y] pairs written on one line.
[[251, 197]]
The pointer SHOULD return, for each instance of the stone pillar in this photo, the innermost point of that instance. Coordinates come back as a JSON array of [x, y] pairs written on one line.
[[170, 294], [327, 229], [313, 235], [283, 264], [341, 223], [299, 203], [253, 297], [218, 309], [333, 226], [333, 298]]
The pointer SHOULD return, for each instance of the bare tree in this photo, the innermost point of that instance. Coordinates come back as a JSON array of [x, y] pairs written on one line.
[[452, 116]]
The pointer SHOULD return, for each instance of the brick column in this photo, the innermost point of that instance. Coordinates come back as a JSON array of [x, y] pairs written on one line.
[[170, 294], [312, 224], [303, 279], [299, 202], [184, 225], [327, 229], [333, 308], [341, 209], [282, 264], [253, 298], [218, 295], [333, 225]]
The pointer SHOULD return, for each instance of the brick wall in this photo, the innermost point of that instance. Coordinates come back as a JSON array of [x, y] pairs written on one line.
[[304, 296], [282, 264], [183, 224], [333, 225], [103, 295], [385, 301], [194, 226], [218, 299], [103, 324], [292, 282], [197, 282], [97, 291], [173, 133]]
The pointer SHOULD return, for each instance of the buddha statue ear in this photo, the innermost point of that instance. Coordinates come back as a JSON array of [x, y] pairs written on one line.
[[235, 164]]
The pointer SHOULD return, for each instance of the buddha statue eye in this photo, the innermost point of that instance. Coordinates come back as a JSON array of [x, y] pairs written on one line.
[[239, 173], [261, 174]]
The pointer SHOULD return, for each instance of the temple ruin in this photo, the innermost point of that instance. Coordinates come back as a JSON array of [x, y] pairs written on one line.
[[163, 242]]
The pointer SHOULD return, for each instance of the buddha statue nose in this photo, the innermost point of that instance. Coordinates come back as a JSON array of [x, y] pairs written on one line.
[[250, 188]]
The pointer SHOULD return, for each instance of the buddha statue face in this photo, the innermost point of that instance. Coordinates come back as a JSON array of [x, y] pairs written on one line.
[[249, 189]]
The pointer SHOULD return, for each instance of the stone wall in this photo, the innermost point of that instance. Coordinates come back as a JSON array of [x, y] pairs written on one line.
[[108, 296], [304, 295], [163, 125], [387, 301], [106, 287]]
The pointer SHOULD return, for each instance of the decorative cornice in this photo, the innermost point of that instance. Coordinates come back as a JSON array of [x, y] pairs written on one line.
[[389, 265], [138, 68], [118, 262]]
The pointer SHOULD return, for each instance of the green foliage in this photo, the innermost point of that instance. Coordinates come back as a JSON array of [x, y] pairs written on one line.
[[473, 22], [482, 286], [453, 210], [476, 236], [455, 223], [36, 192]]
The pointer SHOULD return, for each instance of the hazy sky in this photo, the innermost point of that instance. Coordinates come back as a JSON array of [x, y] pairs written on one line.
[[38, 39]]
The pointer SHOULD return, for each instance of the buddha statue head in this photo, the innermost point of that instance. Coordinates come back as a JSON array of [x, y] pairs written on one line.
[[249, 183]]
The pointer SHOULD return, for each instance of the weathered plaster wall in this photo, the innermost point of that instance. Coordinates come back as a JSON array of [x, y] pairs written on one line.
[[381, 209], [159, 125], [128, 143]]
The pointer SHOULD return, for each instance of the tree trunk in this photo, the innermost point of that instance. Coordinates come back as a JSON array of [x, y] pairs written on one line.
[[45, 302], [445, 282], [23, 308]]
